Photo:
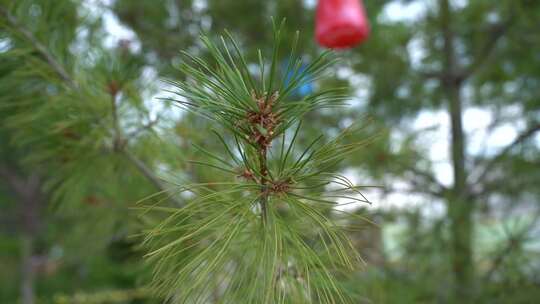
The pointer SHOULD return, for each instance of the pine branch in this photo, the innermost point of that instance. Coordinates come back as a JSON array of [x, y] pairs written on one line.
[[496, 32], [513, 241], [118, 140], [38, 46], [267, 230], [146, 127], [524, 136], [428, 177], [61, 71], [149, 174], [460, 74]]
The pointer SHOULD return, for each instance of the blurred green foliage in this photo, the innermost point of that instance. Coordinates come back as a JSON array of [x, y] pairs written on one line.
[[81, 141]]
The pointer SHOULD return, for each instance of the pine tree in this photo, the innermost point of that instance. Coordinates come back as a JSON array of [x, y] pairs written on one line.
[[70, 167], [75, 138], [263, 235]]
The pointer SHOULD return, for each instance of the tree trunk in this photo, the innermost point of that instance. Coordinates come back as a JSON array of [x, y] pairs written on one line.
[[27, 191], [31, 199], [459, 208], [27, 270]]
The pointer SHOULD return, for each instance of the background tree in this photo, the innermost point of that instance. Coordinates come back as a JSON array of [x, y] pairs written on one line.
[[68, 162]]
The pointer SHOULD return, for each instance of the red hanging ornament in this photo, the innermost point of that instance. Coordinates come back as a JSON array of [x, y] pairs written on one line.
[[341, 24]]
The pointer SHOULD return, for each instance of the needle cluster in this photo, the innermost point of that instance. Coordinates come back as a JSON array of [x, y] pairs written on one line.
[[268, 234]]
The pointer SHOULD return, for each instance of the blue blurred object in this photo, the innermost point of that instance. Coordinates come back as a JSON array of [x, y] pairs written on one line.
[[305, 88]]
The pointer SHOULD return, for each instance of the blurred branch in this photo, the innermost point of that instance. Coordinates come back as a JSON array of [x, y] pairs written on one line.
[[58, 68], [429, 178], [513, 241], [431, 74], [520, 139], [496, 32], [12, 178], [414, 189], [143, 128], [72, 84], [141, 166], [117, 141], [458, 75], [27, 188]]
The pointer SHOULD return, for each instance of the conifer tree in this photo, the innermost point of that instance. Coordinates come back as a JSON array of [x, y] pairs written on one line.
[[263, 235]]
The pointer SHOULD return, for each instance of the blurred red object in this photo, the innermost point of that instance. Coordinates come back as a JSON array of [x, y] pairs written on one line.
[[341, 24]]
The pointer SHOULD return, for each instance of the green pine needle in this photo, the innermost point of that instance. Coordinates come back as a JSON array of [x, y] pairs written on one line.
[[266, 236]]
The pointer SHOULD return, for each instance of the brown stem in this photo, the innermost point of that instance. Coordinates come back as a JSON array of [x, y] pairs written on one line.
[[264, 183], [117, 140]]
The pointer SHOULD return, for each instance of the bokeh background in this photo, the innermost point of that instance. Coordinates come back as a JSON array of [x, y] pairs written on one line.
[[451, 88]]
